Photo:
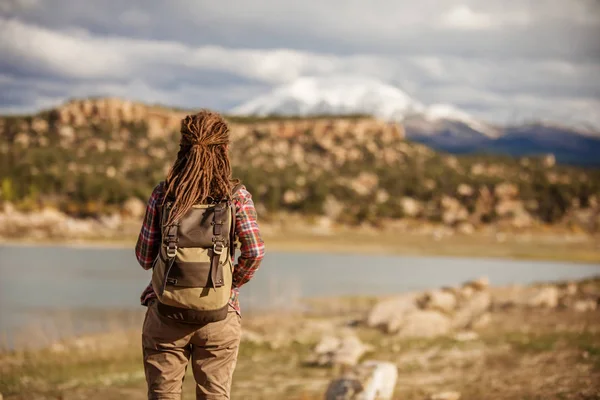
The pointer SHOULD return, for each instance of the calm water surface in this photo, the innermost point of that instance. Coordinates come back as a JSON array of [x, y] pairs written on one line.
[[49, 291]]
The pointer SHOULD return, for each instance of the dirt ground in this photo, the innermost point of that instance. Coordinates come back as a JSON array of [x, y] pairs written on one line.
[[522, 353]]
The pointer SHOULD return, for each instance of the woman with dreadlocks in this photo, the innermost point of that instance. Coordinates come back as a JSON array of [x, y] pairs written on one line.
[[177, 327]]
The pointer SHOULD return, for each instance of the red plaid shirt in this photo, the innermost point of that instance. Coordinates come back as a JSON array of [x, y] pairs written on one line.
[[246, 228]]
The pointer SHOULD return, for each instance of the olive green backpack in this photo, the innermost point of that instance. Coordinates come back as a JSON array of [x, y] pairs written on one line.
[[192, 273]]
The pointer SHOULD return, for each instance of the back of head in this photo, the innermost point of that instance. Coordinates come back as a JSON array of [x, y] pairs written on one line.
[[202, 168]]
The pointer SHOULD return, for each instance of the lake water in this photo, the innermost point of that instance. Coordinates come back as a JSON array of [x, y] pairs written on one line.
[[47, 292]]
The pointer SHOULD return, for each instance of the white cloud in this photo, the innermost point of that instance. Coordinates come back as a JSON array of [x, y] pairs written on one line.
[[541, 29], [57, 52], [462, 17], [495, 59]]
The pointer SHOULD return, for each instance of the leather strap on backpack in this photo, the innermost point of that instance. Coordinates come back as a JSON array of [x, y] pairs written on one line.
[[219, 243], [171, 239], [234, 191]]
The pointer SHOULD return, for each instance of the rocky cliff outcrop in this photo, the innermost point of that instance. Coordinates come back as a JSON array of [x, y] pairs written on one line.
[[92, 157]]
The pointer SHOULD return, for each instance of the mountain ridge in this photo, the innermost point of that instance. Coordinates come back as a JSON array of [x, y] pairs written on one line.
[[454, 136], [350, 94], [440, 126]]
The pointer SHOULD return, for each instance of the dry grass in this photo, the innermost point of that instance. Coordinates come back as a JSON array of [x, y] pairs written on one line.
[[522, 354], [537, 247]]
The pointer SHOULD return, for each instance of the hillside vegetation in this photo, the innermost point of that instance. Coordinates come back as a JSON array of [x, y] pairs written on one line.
[[89, 157]]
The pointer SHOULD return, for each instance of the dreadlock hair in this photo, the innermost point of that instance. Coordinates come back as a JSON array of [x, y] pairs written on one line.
[[202, 169]]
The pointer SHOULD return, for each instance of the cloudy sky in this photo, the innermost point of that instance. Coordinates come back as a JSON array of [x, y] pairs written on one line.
[[501, 60]]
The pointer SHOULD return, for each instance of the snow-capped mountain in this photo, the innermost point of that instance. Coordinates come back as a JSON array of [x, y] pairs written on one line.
[[352, 95], [326, 95], [440, 126]]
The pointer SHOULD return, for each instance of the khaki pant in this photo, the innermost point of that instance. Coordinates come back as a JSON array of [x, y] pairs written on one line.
[[168, 345]]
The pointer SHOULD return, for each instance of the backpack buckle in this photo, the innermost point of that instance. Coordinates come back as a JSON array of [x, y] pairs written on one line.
[[218, 248], [171, 250]]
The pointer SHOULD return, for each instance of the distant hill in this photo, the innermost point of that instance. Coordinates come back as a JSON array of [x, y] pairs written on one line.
[[90, 157], [569, 146]]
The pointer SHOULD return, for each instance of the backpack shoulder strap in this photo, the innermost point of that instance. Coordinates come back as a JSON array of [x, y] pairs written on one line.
[[234, 191]]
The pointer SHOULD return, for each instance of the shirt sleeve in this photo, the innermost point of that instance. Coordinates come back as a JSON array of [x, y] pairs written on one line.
[[148, 243], [252, 249]]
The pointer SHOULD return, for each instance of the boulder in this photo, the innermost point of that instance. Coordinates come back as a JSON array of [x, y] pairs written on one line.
[[453, 210], [39, 125], [290, 196], [350, 350], [482, 321], [544, 297], [522, 220], [387, 310], [381, 196], [323, 226], [440, 300], [465, 228], [327, 344], [371, 380], [112, 221], [506, 190], [471, 310], [514, 212], [47, 217], [422, 323], [333, 350], [465, 292], [571, 289], [465, 190], [332, 208], [364, 183], [481, 283], [410, 207]]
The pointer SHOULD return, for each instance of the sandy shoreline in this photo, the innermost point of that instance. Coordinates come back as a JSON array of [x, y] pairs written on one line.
[[540, 247]]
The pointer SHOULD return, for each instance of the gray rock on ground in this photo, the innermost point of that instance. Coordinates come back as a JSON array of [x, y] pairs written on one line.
[[436, 312], [371, 380], [544, 297], [472, 310], [482, 321], [350, 351], [468, 289], [571, 289], [388, 310], [334, 350], [422, 323], [438, 300], [479, 284]]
